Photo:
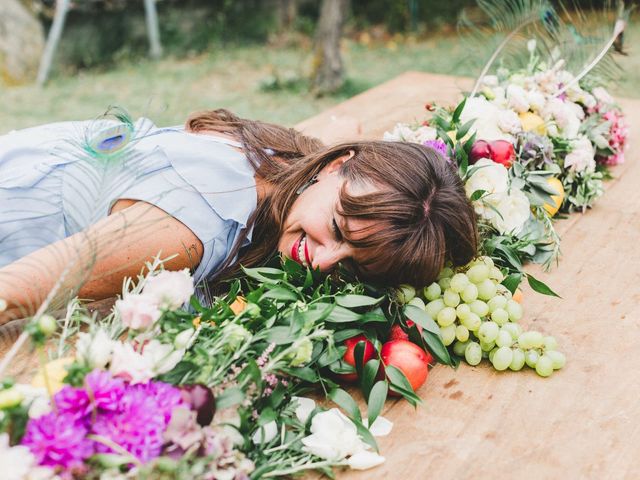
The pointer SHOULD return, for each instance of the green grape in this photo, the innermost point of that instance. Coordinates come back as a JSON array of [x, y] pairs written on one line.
[[487, 346], [492, 353], [514, 309], [446, 317], [531, 358], [479, 308], [405, 293], [529, 340], [473, 353], [432, 292], [496, 274], [444, 282], [446, 272], [499, 301], [478, 273], [488, 332], [417, 302], [513, 328], [504, 291], [463, 311], [550, 343], [472, 322], [470, 293], [544, 366], [486, 289], [462, 333], [434, 307], [451, 298], [448, 334], [488, 261], [504, 338], [502, 358], [459, 348], [557, 358], [458, 282], [517, 361], [537, 339], [500, 316]]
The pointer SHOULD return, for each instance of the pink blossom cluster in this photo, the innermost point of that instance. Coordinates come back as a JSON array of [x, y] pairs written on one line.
[[617, 137], [104, 412]]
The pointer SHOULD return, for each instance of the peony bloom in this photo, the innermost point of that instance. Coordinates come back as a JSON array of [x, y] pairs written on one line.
[[73, 403], [486, 115], [582, 156], [513, 210], [58, 440], [138, 311], [404, 133], [565, 115], [333, 437], [509, 122], [129, 364], [517, 98], [170, 290], [491, 177], [536, 100], [94, 349], [106, 392]]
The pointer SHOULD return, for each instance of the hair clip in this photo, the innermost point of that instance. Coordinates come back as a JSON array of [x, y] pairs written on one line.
[[307, 184]]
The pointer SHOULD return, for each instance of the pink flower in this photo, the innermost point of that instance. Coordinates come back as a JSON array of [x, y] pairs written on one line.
[[617, 138], [170, 289], [128, 364], [138, 311]]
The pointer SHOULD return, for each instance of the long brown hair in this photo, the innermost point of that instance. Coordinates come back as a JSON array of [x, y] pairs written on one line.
[[420, 213]]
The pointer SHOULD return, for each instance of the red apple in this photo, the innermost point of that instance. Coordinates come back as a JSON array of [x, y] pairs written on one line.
[[502, 152], [480, 149], [349, 355], [397, 333], [409, 358]]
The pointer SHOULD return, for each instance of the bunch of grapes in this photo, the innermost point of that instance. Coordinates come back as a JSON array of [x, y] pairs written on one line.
[[478, 317]]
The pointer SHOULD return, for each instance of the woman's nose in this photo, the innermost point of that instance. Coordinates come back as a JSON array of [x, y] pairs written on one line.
[[326, 257]]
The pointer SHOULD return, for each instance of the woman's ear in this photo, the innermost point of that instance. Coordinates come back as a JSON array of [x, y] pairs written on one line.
[[335, 164]]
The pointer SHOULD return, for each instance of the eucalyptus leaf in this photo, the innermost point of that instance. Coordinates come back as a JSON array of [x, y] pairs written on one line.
[[422, 318], [437, 348], [512, 281], [355, 301], [280, 293], [342, 315], [377, 397], [368, 377], [228, 398], [540, 287], [346, 402]]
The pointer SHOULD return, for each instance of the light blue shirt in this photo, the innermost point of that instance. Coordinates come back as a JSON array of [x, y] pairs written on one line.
[[51, 188]]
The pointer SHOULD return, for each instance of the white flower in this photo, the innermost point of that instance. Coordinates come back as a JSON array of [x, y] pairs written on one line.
[[170, 289], [485, 114], [304, 408], [490, 80], [582, 156], [36, 397], [602, 95], [138, 311], [517, 98], [536, 100], [161, 356], [588, 100], [509, 122], [491, 177], [185, 339], [129, 364], [16, 461], [266, 433], [404, 133], [365, 460], [514, 211], [381, 427], [94, 350], [564, 114], [334, 436]]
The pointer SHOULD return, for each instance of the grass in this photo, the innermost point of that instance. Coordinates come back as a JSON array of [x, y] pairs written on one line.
[[239, 78]]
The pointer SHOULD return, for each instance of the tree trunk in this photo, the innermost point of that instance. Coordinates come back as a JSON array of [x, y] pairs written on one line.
[[328, 71], [286, 13], [62, 8], [21, 42]]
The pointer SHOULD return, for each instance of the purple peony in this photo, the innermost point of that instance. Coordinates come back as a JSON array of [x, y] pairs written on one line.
[[166, 396], [58, 440], [439, 146], [73, 402], [105, 391]]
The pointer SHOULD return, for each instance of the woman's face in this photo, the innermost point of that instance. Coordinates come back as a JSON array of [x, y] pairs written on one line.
[[312, 233]]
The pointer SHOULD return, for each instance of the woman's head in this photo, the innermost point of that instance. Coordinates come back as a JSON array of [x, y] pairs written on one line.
[[393, 212]]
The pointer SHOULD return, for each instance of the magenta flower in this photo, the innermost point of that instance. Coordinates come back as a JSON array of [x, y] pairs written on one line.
[[166, 397], [73, 402], [58, 440], [439, 146], [105, 391]]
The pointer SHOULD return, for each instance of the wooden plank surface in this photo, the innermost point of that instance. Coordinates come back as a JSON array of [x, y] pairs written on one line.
[[584, 421]]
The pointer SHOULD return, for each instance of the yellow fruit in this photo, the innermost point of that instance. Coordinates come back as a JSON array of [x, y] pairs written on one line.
[[56, 372], [532, 123], [557, 199], [238, 305]]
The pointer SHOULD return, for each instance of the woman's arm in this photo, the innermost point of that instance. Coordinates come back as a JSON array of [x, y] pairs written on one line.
[[98, 259]]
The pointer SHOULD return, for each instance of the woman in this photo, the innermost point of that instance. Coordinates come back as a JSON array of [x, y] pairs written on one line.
[[220, 192]]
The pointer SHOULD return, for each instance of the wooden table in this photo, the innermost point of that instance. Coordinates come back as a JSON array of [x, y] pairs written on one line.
[[581, 423], [584, 421]]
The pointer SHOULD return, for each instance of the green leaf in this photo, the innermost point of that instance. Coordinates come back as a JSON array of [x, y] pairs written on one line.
[[342, 315], [377, 397], [368, 377], [355, 301], [477, 195], [330, 355], [365, 434], [265, 274], [346, 402], [230, 397], [540, 287], [266, 415], [282, 335], [512, 281], [458, 111], [317, 312], [342, 335], [399, 384], [304, 373], [510, 255], [437, 348], [280, 293], [422, 318], [464, 129]]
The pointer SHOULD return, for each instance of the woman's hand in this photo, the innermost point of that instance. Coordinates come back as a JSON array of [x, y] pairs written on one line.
[[93, 263]]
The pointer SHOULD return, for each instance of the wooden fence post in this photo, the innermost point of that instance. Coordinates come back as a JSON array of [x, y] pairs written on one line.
[[153, 29], [62, 7]]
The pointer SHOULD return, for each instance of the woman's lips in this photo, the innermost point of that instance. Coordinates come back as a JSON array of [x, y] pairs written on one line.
[[295, 248], [306, 252]]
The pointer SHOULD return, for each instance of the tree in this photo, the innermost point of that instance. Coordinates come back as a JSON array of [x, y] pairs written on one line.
[[328, 68]]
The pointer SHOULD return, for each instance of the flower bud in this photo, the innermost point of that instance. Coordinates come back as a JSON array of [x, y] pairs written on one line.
[[184, 339], [303, 352], [47, 325], [10, 398]]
